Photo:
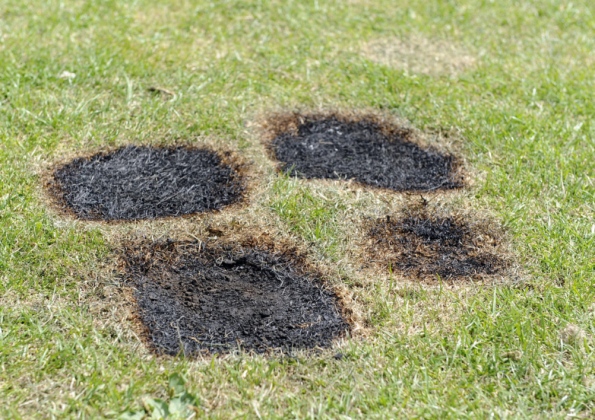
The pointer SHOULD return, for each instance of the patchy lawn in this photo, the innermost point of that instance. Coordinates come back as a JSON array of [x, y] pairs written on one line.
[[506, 86]]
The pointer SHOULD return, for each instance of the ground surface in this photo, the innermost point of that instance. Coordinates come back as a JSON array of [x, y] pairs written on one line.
[[426, 245], [333, 149], [75, 77], [145, 183], [196, 299]]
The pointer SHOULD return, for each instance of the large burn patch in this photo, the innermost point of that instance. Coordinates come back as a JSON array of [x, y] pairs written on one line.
[[138, 182], [365, 151], [424, 245], [195, 298]]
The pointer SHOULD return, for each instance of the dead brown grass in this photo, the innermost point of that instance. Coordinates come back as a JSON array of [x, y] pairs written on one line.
[[418, 54]]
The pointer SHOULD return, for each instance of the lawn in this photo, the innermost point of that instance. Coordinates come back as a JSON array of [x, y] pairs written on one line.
[[508, 85]]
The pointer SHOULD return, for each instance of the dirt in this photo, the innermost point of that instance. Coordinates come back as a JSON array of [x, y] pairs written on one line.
[[141, 182], [424, 245], [330, 148], [195, 297]]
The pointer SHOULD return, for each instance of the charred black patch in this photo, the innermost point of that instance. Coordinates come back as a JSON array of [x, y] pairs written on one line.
[[139, 182], [195, 298], [365, 151], [423, 245]]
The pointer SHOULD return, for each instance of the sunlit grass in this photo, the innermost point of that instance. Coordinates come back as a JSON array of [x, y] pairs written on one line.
[[521, 116]]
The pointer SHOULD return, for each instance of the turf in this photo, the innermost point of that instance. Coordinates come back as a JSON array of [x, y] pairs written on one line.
[[194, 298], [521, 116], [328, 148], [135, 182]]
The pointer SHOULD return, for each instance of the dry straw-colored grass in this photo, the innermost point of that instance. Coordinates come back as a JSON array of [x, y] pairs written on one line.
[[418, 54]]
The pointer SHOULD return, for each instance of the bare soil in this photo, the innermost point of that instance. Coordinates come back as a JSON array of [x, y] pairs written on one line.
[[331, 148], [195, 297], [140, 182]]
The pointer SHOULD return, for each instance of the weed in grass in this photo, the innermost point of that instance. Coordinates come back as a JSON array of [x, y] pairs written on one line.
[[180, 404]]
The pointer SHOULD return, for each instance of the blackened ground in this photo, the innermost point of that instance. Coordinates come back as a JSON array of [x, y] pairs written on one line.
[[193, 299], [428, 246], [136, 182], [333, 149]]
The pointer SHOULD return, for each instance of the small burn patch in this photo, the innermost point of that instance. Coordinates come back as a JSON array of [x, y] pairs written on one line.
[[364, 150], [425, 246], [194, 298], [140, 182]]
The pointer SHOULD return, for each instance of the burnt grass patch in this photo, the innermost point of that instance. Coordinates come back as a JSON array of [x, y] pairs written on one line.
[[365, 150], [142, 182], [424, 245], [194, 297]]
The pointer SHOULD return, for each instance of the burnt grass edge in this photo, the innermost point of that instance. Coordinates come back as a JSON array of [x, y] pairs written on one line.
[[53, 196], [289, 252], [273, 124]]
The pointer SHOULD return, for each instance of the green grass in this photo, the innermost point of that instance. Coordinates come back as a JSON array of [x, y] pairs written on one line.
[[524, 114], [313, 217]]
